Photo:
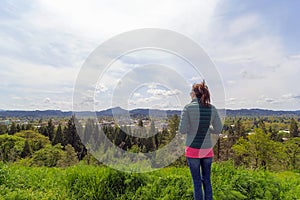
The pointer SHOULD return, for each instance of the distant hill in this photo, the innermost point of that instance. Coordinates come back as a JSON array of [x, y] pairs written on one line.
[[34, 114], [261, 112], [140, 112]]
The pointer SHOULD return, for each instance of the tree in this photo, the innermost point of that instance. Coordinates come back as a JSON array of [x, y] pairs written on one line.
[[3, 129], [173, 124], [47, 156], [11, 147], [27, 150], [239, 129], [258, 150], [18, 128], [13, 129], [292, 150], [152, 133], [59, 137], [42, 130], [50, 130], [88, 130], [35, 140], [68, 158], [71, 135], [293, 128], [29, 126], [140, 123]]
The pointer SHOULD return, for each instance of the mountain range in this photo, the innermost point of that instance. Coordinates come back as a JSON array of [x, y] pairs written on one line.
[[140, 112]]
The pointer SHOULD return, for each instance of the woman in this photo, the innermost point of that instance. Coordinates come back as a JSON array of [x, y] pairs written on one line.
[[198, 120]]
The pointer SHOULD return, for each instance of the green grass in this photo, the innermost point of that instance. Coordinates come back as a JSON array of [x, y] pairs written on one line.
[[90, 182]]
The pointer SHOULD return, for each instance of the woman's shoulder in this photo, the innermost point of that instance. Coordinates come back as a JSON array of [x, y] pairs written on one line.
[[191, 104]]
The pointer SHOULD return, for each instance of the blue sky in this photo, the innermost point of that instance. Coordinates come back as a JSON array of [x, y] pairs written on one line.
[[254, 45]]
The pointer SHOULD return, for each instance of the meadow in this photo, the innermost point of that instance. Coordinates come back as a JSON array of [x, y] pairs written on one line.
[[99, 182]]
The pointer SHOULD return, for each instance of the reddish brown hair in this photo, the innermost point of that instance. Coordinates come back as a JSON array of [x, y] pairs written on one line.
[[202, 93]]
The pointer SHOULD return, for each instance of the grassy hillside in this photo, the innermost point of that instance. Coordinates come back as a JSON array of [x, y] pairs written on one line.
[[90, 182]]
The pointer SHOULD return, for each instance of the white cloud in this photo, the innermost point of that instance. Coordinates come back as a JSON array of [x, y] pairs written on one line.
[[136, 95], [243, 25], [47, 100], [250, 75], [43, 45], [196, 78], [161, 92]]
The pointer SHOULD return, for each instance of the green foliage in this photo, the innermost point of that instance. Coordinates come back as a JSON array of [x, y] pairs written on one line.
[[59, 137], [26, 150], [12, 129], [102, 183], [90, 182], [33, 183], [35, 140], [68, 158], [173, 124], [230, 182], [258, 151], [50, 130], [293, 128], [71, 136], [11, 147], [3, 129], [292, 152], [140, 123], [47, 156]]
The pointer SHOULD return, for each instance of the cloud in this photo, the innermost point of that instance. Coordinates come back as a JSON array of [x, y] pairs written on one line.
[[250, 75], [161, 92], [47, 100], [291, 96], [136, 95], [196, 78], [243, 25], [43, 44]]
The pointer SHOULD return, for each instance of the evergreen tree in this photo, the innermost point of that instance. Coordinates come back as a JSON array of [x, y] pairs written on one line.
[[292, 150], [293, 128], [71, 134], [96, 137], [239, 129], [173, 124], [18, 128], [43, 130], [3, 129], [140, 123], [89, 130], [59, 137], [23, 127], [50, 130], [27, 150], [13, 129], [152, 138], [29, 126]]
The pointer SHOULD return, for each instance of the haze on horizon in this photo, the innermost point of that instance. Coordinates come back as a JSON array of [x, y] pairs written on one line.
[[254, 45]]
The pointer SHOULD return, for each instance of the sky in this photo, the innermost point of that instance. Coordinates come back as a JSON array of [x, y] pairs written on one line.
[[44, 45]]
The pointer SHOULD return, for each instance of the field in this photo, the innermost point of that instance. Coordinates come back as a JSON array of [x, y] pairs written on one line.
[[94, 182]]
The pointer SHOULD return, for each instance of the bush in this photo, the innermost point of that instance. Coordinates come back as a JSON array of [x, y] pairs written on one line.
[[91, 182], [87, 182], [11, 147]]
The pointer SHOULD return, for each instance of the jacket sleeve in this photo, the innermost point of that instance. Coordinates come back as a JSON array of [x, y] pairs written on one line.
[[184, 121], [216, 122]]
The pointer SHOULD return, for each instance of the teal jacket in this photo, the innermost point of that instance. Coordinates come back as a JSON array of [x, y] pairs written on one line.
[[199, 122]]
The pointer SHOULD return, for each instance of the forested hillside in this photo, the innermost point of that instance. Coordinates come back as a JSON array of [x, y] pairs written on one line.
[[255, 158]]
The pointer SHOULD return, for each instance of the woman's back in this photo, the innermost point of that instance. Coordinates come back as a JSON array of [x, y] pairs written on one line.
[[195, 122]]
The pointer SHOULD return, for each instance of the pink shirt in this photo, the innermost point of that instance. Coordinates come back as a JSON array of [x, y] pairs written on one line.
[[198, 153]]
